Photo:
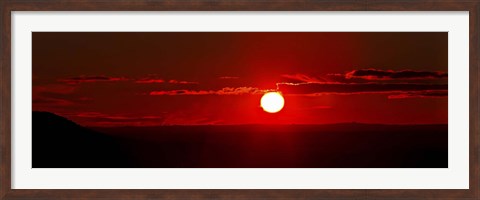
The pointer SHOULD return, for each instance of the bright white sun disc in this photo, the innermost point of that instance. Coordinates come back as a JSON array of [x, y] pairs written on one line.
[[272, 102]]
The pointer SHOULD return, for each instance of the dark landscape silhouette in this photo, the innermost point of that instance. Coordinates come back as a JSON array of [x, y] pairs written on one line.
[[60, 143]]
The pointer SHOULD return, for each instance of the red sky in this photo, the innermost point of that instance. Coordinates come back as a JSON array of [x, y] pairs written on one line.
[[142, 79]]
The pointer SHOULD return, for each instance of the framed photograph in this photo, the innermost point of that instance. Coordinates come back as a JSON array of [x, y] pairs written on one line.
[[240, 100]]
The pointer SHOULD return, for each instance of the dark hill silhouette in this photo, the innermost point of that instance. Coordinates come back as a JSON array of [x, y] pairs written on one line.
[[59, 142]]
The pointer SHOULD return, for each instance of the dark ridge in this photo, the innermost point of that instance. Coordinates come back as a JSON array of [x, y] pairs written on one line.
[[59, 142]]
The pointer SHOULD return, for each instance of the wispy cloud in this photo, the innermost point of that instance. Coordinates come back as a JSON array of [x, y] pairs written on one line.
[[48, 101], [160, 80], [148, 80], [376, 74], [97, 119], [420, 94], [228, 77], [54, 95], [306, 79], [365, 81], [102, 119], [90, 79], [355, 88], [181, 82], [223, 91], [301, 78]]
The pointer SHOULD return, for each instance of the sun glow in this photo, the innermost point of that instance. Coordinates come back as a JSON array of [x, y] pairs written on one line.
[[272, 102]]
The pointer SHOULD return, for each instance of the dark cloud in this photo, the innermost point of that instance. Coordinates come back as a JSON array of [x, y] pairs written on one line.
[[90, 79], [301, 78], [181, 82], [228, 77], [421, 94], [39, 101], [348, 88], [55, 95], [160, 80], [148, 80], [101, 119], [328, 78], [376, 74], [105, 120], [54, 88], [55, 100], [223, 91]]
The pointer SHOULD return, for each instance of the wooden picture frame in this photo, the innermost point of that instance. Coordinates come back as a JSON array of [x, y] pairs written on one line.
[[7, 6]]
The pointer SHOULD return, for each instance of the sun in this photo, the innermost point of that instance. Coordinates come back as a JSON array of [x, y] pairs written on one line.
[[272, 102]]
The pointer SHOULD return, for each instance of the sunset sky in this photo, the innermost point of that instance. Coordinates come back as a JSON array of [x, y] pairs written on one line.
[[193, 78]]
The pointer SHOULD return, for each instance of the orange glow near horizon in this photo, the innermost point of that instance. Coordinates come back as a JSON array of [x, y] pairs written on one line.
[[272, 102]]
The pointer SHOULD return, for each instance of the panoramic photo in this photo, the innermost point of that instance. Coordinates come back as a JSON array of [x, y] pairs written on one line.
[[240, 99]]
